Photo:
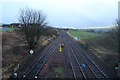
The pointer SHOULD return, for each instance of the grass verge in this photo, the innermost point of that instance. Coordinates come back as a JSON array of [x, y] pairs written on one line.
[[59, 71]]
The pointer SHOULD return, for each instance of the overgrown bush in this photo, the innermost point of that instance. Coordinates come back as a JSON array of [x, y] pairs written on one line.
[[51, 31]]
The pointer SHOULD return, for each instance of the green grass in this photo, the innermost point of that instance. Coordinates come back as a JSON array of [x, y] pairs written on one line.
[[59, 70], [8, 29], [83, 35]]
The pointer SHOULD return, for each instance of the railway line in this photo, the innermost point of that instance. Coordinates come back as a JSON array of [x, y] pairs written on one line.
[[93, 67], [81, 65], [34, 70], [91, 70], [75, 66]]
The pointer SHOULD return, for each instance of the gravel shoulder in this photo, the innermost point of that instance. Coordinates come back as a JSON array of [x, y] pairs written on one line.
[[57, 65]]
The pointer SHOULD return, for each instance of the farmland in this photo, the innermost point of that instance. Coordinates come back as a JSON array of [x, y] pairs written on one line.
[[7, 28], [82, 34]]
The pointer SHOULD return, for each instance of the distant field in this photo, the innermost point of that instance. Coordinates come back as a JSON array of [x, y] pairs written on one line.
[[83, 35], [7, 28]]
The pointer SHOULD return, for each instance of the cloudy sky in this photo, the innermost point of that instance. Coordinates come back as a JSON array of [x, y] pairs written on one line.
[[65, 13]]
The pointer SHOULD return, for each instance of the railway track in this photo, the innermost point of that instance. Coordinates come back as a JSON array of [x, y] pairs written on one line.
[[91, 70], [75, 66], [77, 57], [34, 70]]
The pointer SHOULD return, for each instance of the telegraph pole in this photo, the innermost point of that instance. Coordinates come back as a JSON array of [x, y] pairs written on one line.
[[119, 10], [118, 71]]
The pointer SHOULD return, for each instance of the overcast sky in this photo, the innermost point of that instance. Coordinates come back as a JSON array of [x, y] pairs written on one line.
[[65, 13]]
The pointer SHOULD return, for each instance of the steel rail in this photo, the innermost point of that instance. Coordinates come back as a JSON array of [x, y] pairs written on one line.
[[105, 76], [85, 62], [81, 71], [37, 73], [71, 62], [78, 63], [35, 65], [30, 68]]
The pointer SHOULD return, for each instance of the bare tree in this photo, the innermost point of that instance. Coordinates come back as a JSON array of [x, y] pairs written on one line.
[[118, 27], [33, 23], [114, 31]]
